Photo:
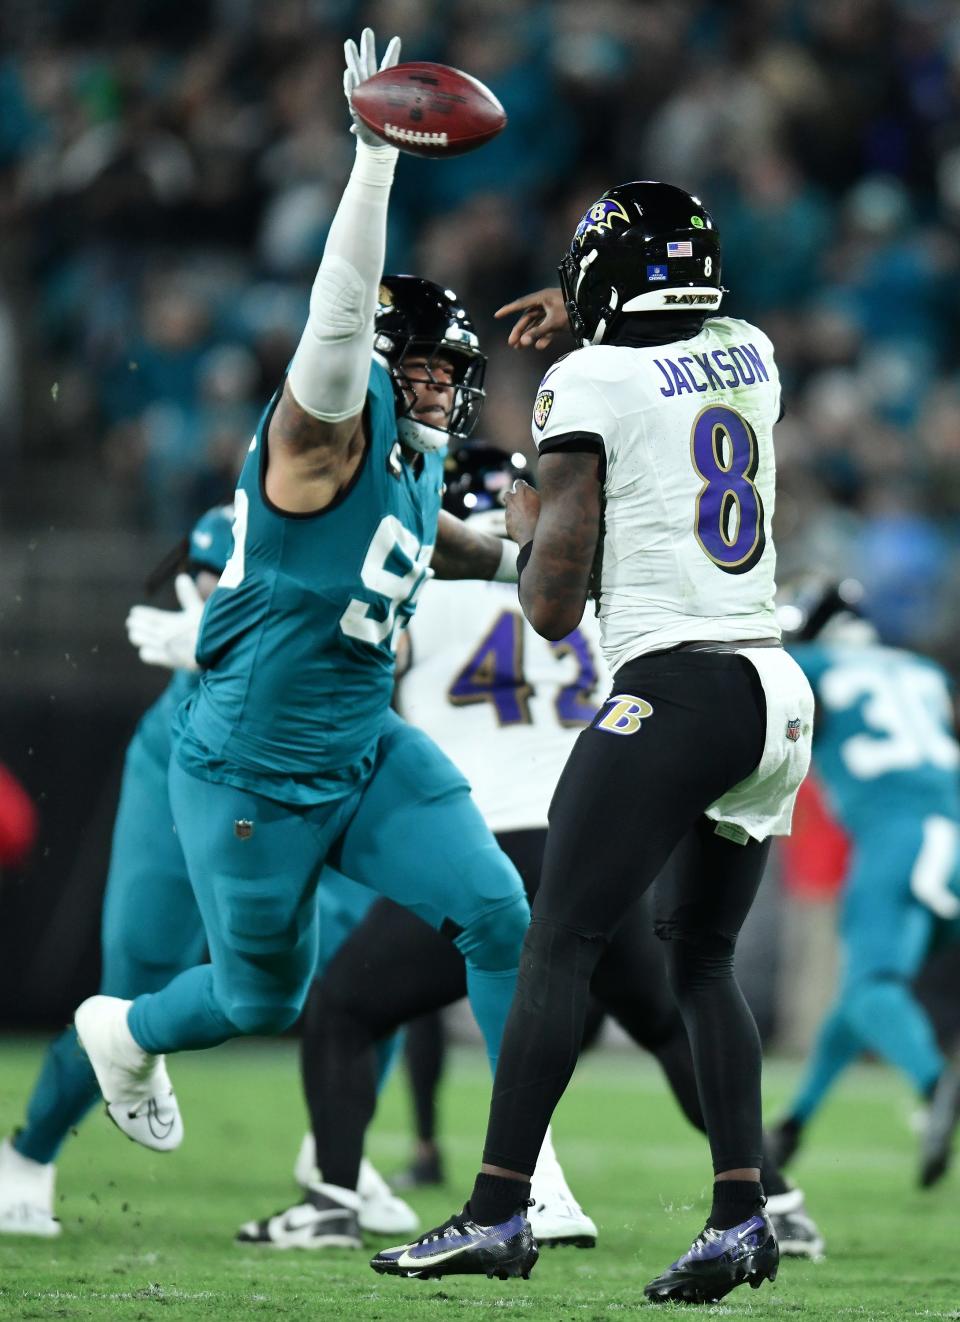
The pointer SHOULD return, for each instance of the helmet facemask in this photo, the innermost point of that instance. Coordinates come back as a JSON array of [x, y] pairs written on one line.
[[418, 320], [448, 367]]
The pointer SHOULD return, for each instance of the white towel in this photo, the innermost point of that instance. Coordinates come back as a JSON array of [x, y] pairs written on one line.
[[762, 805]]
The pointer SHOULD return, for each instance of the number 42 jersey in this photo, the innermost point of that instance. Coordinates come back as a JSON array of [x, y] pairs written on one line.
[[504, 704], [684, 432]]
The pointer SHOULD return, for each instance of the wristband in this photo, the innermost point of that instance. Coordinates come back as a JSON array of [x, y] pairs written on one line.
[[506, 571], [523, 557]]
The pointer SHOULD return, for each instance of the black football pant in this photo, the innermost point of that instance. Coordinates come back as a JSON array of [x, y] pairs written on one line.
[[395, 967], [630, 805]]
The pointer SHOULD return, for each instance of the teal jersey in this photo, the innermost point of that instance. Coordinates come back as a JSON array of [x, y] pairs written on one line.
[[297, 641], [883, 740], [209, 547]]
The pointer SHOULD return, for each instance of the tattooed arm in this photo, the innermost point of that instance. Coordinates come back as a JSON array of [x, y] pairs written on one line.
[[461, 552], [564, 525]]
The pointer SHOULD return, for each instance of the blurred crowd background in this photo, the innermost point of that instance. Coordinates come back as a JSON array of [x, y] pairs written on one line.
[[167, 176]]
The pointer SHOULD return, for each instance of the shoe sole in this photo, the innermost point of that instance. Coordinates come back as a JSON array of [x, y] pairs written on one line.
[[512, 1270], [798, 1249], [694, 1290], [330, 1242], [567, 1242], [501, 1274]]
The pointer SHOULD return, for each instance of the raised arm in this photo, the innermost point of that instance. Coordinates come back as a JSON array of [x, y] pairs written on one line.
[[315, 438]]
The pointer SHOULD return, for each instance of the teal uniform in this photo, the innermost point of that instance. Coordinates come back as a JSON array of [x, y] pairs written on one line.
[[151, 928], [887, 757], [288, 756]]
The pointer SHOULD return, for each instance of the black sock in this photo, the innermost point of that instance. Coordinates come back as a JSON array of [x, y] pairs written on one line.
[[734, 1201], [495, 1198], [772, 1178]]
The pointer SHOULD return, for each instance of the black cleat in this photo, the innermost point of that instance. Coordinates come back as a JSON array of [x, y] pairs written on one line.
[[936, 1147], [460, 1247], [717, 1262]]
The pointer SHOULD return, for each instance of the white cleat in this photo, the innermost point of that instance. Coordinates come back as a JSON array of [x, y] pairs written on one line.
[[26, 1195], [326, 1219], [556, 1217], [797, 1233], [135, 1085], [381, 1211]]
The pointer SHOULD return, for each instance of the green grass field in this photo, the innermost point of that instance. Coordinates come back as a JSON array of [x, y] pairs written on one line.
[[149, 1237]]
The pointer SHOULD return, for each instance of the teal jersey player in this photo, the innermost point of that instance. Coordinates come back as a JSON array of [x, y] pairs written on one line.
[[884, 740], [288, 758], [151, 927], [298, 638], [886, 754]]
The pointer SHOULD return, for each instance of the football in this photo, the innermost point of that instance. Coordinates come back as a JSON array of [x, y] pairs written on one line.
[[429, 109]]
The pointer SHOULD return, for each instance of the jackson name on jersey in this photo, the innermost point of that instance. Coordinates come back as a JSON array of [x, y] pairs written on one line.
[[685, 435]]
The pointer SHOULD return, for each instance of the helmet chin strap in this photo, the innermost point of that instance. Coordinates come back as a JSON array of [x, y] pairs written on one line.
[[418, 436], [601, 330]]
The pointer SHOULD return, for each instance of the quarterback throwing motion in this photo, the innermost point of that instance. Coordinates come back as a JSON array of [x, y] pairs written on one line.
[[656, 496]]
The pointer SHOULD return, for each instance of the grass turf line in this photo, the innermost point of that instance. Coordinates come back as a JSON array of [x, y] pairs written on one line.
[[149, 1236]]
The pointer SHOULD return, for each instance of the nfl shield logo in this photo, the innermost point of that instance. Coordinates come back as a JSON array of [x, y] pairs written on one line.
[[243, 828], [793, 730], [542, 407]]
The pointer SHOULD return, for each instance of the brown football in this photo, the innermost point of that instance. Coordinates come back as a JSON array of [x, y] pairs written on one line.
[[429, 109]]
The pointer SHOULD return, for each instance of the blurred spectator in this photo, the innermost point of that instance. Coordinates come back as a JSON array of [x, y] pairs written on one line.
[[18, 822], [168, 177]]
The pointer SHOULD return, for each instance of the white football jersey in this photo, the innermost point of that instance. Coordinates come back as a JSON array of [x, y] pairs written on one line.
[[503, 703], [685, 432]]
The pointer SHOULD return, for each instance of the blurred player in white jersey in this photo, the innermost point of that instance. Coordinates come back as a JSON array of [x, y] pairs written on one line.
[[656, 495]]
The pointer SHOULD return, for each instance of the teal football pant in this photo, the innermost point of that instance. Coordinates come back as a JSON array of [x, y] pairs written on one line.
[[151, 931], [412, 833], [886, 933]]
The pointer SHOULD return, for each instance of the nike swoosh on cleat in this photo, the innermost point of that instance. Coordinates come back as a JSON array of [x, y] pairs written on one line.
[[405, 1260], [158, 1128]]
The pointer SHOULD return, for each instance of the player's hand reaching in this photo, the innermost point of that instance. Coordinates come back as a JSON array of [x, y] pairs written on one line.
[[542, 316], [361, 65], [523, 511], [169, 638]]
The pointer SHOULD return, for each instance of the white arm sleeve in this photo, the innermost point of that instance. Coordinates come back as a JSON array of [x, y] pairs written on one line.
[[331, 367]]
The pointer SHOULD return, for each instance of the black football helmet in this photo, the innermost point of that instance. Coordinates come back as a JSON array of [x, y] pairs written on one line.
[[642, 247], [814, 605], [417, 317], [476, 476]]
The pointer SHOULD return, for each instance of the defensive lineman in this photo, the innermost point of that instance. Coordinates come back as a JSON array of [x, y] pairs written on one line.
[[151, 929], [288, 752], [656, 491]]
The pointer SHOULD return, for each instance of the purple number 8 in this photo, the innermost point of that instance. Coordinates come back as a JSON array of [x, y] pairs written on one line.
[[729, 513]]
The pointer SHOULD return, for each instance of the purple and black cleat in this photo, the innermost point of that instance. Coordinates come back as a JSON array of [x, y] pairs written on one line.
[[717, 1262], [460, 1247]]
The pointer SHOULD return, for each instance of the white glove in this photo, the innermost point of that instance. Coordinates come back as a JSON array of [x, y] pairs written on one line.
[[169, 638], [361, 65]]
